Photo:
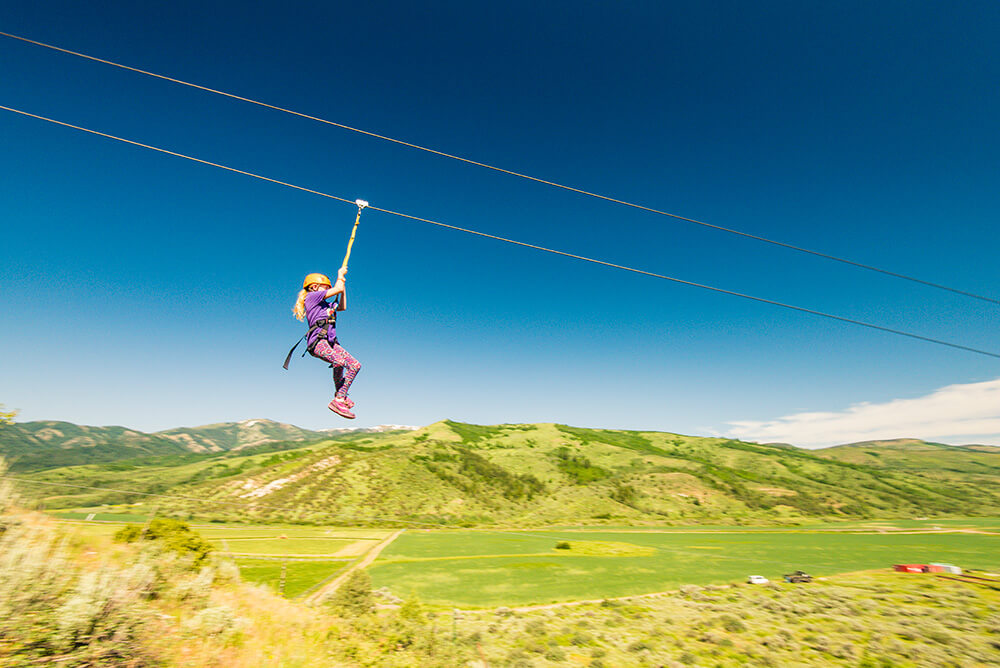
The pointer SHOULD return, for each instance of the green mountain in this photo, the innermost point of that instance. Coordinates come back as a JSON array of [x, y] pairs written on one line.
[[236, 435], [538, 474], [934, 462], [38, 445], [32, 446]]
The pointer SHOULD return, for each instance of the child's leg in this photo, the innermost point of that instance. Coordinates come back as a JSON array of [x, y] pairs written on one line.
[[338, 377], [342, 362], [338, 382], [349, 366]]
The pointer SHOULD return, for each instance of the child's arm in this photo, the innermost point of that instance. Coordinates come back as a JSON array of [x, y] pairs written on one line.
[[338, 287]]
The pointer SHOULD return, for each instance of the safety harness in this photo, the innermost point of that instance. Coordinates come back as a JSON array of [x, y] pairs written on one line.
[[322, 327]]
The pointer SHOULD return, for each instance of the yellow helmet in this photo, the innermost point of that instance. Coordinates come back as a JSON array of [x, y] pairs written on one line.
[[321, 279]]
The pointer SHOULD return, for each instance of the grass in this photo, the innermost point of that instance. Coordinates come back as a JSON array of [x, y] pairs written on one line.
[[270, 546], [483, 569], [860, 619], [871, 619], [101, 517], [300, 575]]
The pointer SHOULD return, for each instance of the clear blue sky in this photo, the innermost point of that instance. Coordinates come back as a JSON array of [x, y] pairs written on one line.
[[153, 292]]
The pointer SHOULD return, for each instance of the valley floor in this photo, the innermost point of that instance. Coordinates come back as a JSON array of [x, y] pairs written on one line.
[[178, 615]]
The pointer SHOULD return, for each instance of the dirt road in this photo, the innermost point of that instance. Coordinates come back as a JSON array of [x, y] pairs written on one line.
[[328, 589]]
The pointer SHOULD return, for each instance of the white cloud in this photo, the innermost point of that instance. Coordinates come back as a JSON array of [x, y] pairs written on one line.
[[954, 414]]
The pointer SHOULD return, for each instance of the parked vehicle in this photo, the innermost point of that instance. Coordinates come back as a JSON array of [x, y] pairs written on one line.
[[757, 580], [798, 576]]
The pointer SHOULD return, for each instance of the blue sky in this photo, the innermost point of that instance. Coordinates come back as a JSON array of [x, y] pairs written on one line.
[[150, 291]]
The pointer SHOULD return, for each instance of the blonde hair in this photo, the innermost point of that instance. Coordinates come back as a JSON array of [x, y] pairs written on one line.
[[300, 305]]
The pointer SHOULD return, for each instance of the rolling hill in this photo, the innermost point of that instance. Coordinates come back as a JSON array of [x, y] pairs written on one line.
[[538, 474], [33, 446], [915, 455]]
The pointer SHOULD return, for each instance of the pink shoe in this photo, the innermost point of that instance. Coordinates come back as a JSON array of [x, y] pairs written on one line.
[[349, 402], [341, 409]]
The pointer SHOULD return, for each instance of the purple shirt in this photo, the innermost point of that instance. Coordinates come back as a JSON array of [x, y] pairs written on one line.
[[317, 308]]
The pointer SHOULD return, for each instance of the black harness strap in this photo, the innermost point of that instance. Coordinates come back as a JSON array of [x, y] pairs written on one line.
[[323, 326]]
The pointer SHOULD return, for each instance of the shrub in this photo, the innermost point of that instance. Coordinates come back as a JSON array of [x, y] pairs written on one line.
[[412, 610], [624, 494], [50, 612], [732, 624], [694, 592], [535, 627], [562, 545], [220, 621], [176, 536], [555, 654], [355, 594], [197, 588], [578, 468]]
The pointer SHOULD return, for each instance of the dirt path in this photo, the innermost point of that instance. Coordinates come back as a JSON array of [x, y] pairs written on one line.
[[328, 589]]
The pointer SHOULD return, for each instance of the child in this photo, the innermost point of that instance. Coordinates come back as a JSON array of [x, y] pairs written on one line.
[[321, 340]]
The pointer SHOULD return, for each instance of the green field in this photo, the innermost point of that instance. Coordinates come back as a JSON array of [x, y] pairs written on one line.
[[472, 568], [291, 546], [270, 547], [488, 568], [300, 575]]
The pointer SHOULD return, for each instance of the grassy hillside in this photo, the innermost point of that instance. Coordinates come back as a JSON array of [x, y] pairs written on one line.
[[916, 455], [530, 475], [33, 446], [974, 468], [94, 484]]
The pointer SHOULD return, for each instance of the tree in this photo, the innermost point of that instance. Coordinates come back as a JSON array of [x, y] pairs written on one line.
[[355, 594], [7, 417], [176, 536]]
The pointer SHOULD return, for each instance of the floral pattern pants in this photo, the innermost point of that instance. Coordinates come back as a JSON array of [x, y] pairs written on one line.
[[345, 367]]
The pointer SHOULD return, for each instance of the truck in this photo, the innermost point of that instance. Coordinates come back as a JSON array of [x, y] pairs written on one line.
[[798, 576]]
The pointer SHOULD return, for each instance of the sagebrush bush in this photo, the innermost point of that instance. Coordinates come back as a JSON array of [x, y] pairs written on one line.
[[215, 621], [50, 611]]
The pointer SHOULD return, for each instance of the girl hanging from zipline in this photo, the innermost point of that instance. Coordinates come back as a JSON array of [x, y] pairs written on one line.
[[314, 306]]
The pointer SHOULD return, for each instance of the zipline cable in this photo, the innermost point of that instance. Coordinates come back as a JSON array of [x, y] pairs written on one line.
[[515, 242], [528, 177]]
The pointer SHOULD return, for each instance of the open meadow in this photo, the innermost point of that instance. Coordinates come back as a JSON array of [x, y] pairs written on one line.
[[291, 559], [488, 568], [481, 568]]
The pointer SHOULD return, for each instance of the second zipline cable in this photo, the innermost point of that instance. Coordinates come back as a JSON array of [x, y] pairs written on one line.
[[762, 300], [528, 177]]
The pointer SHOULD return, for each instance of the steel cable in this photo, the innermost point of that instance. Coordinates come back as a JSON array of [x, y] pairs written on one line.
[[528, 177], [515, 242]]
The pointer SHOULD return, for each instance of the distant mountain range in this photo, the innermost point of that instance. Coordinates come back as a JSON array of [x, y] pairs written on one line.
[[47, 444], [527, 475]]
